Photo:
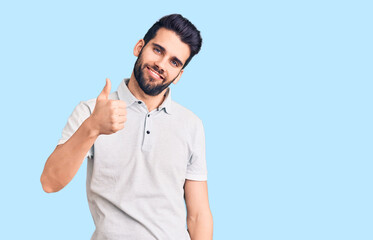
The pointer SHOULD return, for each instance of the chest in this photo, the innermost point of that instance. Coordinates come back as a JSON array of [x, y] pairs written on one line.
[[149, 151]]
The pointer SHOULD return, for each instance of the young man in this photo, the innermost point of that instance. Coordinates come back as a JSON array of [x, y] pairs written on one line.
[[146, 153]]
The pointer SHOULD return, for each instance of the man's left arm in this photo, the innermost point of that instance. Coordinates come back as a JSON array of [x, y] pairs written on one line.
[[199, 217]]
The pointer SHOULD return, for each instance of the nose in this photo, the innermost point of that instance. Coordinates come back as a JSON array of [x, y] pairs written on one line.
[[160, 63]]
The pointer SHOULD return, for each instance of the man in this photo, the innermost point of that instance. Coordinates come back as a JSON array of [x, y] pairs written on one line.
[[146, 153]]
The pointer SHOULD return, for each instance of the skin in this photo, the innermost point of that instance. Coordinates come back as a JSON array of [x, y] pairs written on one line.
[[109, 116]]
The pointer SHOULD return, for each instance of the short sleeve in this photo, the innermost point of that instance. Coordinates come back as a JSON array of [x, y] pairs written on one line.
[[77, 117], [197, 167]]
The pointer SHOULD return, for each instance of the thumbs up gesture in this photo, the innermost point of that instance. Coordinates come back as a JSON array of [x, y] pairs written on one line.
[[109, 115]]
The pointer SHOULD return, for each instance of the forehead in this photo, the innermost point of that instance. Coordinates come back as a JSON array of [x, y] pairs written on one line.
[[172, 43]]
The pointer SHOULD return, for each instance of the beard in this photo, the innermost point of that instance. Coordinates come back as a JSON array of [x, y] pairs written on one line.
[[146, 85]]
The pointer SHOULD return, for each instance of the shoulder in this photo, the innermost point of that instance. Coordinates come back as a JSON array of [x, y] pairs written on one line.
[[184, 112], [186, 115]]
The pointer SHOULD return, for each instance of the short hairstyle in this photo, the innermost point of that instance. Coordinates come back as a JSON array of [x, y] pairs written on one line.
[[187, 32]]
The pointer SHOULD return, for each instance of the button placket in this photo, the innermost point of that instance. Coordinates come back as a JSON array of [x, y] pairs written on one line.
[[148, 136]]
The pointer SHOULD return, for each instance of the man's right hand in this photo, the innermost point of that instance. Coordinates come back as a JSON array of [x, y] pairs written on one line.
[[109, 115]]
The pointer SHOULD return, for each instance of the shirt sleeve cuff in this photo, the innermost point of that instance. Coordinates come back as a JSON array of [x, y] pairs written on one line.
[[196, 177]]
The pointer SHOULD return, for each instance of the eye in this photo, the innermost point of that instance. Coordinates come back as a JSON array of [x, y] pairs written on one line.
[[174, 63], [157, 50]]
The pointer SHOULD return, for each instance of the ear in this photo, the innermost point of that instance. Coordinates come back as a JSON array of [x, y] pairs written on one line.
[[139, 45], [178, 77]]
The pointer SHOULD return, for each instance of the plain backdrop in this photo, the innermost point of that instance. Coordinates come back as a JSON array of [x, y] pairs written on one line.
[[284, 90]]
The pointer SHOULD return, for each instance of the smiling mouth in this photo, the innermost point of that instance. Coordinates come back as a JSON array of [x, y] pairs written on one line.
[[154, 73]]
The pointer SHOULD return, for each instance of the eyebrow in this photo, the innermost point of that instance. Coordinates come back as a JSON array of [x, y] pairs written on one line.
[[164, 50]]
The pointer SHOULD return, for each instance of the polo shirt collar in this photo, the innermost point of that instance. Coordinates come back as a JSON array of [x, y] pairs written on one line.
[[125, 95]]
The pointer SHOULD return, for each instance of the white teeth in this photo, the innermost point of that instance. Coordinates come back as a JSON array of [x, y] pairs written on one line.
[[154, 72]]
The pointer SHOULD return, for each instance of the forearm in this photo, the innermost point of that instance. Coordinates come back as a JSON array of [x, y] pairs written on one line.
[[201, 227], [66, 159]]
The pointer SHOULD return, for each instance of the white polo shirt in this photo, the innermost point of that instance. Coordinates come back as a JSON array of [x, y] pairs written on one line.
[[135, 177]]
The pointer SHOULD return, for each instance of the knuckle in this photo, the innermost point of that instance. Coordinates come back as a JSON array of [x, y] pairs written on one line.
[[114, 128]]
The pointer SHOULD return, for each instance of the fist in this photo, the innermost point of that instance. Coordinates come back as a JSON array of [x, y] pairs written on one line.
[[109, 115]]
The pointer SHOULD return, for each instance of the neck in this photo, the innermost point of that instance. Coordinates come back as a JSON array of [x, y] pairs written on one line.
[[152, 102]]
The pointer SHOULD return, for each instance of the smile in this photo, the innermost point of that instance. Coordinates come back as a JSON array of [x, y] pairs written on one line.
[[154, 73]]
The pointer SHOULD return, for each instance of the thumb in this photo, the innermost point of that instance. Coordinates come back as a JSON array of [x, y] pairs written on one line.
[[106, 91]]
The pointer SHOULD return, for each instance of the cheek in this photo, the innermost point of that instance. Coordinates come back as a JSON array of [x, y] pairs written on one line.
[[172, 74]]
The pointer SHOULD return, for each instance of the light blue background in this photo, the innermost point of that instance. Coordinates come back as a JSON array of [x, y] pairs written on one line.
[[284, 89]]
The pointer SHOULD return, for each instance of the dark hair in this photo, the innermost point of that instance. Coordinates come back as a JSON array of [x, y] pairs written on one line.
[[187, 32]]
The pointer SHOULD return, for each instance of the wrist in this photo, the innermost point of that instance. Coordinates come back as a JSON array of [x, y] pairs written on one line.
[[91, 127]]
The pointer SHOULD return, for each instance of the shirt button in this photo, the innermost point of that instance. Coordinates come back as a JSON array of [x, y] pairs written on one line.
[[148, 132], [148, 115], [139, 102]]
